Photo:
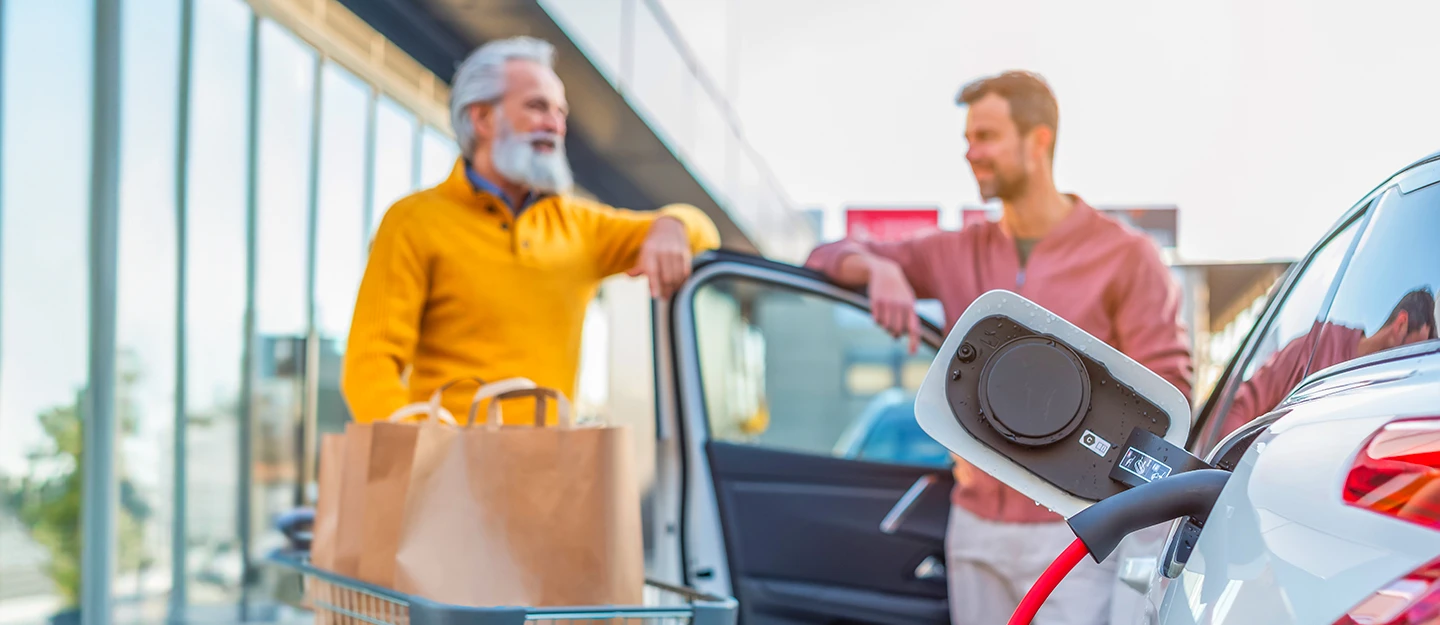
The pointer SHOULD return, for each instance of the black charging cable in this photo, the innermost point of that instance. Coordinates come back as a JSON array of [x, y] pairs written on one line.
[[1105, 523]]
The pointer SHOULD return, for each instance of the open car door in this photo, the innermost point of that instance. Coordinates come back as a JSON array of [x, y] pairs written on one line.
[[806, 488]]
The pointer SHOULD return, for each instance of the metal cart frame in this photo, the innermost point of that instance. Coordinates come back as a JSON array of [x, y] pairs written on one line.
[[340, 600]]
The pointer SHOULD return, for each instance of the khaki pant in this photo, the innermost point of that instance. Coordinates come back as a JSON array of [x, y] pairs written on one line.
[[992, 565]]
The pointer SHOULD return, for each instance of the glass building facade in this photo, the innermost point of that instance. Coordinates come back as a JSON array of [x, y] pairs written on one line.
[[187, 193], [252, 162]]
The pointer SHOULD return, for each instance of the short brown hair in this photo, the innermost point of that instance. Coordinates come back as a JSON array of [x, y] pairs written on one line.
[[1031, 101], [1419, 306]]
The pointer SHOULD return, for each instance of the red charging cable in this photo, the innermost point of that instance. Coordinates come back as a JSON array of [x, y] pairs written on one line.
[[1105, 523], [1048, 581]]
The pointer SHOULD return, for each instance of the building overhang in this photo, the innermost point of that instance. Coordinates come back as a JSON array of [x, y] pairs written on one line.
[[1233, 286]]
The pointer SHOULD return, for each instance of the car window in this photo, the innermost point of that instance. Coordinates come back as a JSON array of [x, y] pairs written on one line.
[[891, 435], [800, 372], [1278, 359], [1386, 298]]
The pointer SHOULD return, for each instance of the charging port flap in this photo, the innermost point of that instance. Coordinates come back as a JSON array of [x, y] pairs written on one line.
[[1048, 409]]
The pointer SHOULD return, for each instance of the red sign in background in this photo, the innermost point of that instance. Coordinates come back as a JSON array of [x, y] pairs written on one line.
[[889, 224]]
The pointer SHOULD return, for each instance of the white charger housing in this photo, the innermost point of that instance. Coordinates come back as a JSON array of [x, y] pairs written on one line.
[[934, 412]]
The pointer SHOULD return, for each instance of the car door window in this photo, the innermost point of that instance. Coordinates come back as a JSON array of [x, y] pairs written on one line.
[[800, 372], [1386, 298], [1279, 358]]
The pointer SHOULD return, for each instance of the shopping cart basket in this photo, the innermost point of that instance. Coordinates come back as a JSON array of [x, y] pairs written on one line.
[[339, 600]]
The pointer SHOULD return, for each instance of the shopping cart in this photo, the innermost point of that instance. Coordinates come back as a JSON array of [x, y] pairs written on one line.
[[340, 600]]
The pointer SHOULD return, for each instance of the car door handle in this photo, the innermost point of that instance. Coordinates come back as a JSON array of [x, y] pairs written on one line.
[[930, 568], [891, 523]]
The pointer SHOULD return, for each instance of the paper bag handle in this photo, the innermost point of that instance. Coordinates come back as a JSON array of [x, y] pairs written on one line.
[[540, 394], [432, 408], [496, 389], [422, 408]]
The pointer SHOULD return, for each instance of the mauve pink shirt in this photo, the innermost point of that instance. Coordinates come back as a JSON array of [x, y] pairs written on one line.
[[1284, 370], [1104, 277]]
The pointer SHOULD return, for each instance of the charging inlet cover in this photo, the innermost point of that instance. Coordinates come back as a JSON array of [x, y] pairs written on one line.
[[1060, 403]]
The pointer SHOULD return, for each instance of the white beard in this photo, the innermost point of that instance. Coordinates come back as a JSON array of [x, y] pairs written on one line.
[[516, 159]]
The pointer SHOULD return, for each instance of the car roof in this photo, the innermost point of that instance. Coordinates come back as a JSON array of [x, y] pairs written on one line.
[[1420, 162], [1384, 184]]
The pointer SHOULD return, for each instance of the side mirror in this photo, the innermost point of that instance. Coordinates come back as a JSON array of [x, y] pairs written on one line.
[[1048, 409]]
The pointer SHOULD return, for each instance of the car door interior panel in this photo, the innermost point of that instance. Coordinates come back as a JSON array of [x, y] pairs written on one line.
[[806, 542]]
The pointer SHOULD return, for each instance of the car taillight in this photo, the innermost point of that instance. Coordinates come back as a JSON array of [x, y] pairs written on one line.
[[1397, 472], [1410, 600]]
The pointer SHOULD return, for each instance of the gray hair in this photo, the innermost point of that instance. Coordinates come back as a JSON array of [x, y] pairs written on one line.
[[480, 79]]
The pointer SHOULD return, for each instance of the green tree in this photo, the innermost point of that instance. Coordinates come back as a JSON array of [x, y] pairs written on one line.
[[48, 500]]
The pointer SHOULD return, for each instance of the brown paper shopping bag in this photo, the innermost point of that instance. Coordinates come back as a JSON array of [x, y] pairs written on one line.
[[518, 515], [350, 510], [392, 453], [327, 513], [327, 517]]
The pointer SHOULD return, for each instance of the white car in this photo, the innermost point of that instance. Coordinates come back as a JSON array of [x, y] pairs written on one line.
[[1332, 514]]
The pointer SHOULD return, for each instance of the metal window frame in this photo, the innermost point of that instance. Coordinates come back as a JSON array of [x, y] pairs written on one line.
[[372, 112], [2, 192], [179, 531], [248, 372], [417, 149], [310, 407], [98, 431]]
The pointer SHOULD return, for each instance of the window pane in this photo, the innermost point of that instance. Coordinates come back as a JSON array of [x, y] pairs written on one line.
[[44, 303], [748, 193], [1279, 360], [594, 26], [145, 314], [712, 142], [286, 84], [437, 157], [215, 232], [340, 231], [394, 158], [798, 372], [705, 27], [662, 82], [1387, 297]]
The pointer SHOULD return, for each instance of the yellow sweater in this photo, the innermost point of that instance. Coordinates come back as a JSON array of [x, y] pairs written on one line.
[[457, 286]]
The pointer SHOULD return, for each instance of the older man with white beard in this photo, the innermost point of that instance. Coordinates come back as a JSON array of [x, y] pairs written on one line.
[[489, 273]]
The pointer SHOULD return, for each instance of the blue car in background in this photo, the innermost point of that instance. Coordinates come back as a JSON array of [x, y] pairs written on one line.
[[887, 432]]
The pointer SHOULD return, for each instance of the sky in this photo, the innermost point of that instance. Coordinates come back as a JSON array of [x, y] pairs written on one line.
[[1262, 121]]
